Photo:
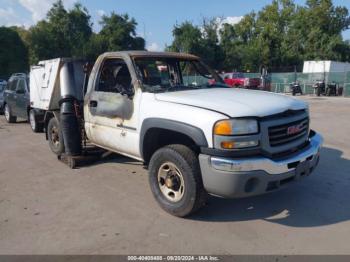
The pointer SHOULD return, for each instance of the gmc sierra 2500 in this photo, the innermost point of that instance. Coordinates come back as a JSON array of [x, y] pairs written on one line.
[[196, 137]]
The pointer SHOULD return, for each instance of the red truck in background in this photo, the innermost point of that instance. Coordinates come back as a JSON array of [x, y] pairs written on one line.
[[236, 79]]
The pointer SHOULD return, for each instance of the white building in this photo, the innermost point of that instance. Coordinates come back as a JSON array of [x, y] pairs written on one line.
[[325, 67]]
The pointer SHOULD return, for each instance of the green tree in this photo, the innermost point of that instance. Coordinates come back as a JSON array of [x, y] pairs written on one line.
[[283, 35], [63, 34], [96, 45], [67, 33], [13, 52], [187, 39], [79, 29], [202, 41], [322, 24], [212, 51], [119, 32], [240, 50]]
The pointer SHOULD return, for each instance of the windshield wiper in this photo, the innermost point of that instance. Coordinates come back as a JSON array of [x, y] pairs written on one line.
[[175, 88], [181, 87]]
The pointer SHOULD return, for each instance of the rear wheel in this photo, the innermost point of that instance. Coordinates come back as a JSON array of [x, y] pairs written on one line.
[[8, 115], [36, 127], [318, 91], [175, 180], [55, 137]]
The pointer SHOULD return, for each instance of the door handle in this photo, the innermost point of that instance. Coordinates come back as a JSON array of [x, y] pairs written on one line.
[[93, 103]]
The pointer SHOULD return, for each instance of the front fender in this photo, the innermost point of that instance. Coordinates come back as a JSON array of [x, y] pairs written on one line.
[[195, 133]]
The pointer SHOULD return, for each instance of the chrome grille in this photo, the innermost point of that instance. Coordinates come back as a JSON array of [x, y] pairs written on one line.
[[279, 135]]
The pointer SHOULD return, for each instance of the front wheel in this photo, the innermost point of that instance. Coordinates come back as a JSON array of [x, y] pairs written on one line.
[[55, 137], [36, 127], [8, 115], [175, 180]]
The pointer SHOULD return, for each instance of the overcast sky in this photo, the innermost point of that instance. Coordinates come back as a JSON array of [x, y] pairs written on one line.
[[155, 18]]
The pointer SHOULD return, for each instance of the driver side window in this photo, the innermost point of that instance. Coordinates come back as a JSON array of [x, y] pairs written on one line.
[[114, 77], [21, 87], [12, 85]]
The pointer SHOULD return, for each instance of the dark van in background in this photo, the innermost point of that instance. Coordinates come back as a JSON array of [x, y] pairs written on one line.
[[2, 89], [16, 98]]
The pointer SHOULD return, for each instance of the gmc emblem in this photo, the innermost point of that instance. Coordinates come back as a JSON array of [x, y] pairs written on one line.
[[294, 129]]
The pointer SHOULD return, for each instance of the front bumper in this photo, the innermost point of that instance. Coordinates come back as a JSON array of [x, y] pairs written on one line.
[[237, 178]]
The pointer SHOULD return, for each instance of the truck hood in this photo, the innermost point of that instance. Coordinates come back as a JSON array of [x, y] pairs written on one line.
[[234, 102]]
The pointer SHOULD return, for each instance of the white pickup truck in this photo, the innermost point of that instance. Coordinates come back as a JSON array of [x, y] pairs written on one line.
[[196, 135]]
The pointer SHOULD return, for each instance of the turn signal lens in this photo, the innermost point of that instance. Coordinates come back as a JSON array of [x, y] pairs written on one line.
[[223, 128], [227, 144], [238, 145]]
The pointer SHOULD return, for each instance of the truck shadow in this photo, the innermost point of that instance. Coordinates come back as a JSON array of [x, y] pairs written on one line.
[[18, 122], [21, 121], [319, 200], [97, 156], [5, 126], [119, 159]]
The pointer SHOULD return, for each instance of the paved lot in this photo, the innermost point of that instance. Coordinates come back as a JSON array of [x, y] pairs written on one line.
[[107, 208]]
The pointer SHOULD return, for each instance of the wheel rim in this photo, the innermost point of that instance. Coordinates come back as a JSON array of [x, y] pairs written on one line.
[[7, 113], [55, 136], [171, 182], [32, 120]]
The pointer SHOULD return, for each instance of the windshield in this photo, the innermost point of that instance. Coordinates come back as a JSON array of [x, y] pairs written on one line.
[[174, 74]]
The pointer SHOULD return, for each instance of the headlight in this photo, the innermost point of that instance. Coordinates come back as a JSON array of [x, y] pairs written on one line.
[[234, 127]]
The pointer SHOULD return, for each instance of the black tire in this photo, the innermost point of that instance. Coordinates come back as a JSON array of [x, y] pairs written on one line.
[[186, 161], [33, 121], [294, 93], [340, 91], [318, 91], [8, 114], [55, 137]]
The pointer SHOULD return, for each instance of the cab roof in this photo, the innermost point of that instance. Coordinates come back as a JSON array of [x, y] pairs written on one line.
[[134, 53]]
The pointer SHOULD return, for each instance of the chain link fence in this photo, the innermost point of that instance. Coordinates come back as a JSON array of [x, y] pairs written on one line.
[[280, 82]]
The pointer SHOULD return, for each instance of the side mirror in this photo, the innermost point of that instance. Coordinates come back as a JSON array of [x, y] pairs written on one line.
[[130, 92]]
